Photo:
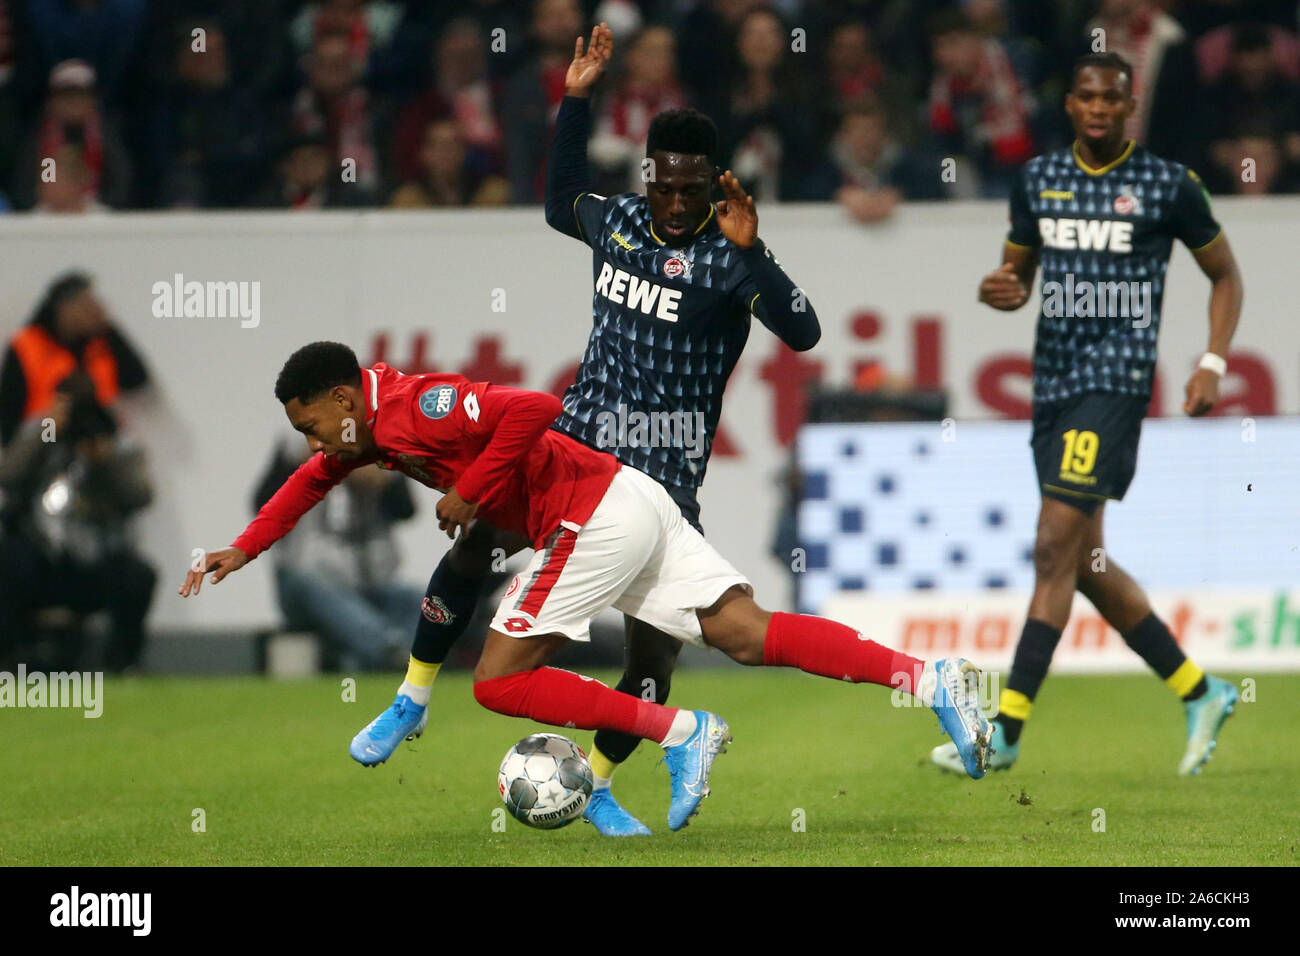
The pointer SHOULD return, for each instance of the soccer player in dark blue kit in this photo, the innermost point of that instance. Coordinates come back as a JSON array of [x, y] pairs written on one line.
[[677, 279], [1101, 218]]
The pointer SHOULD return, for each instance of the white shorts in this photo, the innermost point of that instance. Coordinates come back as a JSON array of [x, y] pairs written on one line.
[[636, 553]]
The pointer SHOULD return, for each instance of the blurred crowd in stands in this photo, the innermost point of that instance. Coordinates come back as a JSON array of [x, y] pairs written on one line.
[[146, 104]]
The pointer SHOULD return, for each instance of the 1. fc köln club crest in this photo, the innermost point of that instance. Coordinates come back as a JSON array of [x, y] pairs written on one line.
[[436, 612], [678, 266], [1126, 203]]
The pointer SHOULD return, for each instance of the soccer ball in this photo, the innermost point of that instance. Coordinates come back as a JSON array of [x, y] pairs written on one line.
[[545, 781]]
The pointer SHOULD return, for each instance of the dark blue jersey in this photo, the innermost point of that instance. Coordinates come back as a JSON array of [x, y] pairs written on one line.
[[1104, 238], [670, 320], [669, 325]]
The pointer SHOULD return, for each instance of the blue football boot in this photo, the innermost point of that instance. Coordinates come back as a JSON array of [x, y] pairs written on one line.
[[404, 720], [689, 766], [1205, 716], [609, 818], [1001, 754], [956, 702]]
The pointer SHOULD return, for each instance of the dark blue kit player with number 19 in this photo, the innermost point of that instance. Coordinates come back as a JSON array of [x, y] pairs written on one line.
[[1101, 218]]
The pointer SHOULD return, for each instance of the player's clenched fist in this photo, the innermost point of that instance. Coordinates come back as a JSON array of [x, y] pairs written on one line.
[[586, 68], [1003, 289], [220, 563]]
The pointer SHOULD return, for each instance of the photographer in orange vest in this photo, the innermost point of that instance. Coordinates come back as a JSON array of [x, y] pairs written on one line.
[[70, 332]]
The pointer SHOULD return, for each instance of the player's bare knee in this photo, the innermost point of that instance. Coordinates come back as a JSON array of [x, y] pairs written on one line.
[[483, 672], [1057, 544], [741, 646], [737, 626], [1053, 558], [487, 692]]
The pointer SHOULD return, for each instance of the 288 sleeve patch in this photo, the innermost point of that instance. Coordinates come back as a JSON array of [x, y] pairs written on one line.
[[438, 401]]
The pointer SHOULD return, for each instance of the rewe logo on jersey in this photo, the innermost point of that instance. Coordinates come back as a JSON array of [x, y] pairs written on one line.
[[1101, 235], [637, 293]]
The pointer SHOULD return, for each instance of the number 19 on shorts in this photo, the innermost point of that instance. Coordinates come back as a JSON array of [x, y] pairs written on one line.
[[1080, 452]]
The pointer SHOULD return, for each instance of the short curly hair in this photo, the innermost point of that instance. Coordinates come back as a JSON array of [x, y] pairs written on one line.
[[685, 131], [1104, 61], [314, 369]]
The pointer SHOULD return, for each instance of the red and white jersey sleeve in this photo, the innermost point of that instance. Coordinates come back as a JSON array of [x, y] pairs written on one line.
[[306, 486], [493, 444]]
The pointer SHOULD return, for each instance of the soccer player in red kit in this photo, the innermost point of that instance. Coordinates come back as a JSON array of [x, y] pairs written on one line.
[[605, 535]]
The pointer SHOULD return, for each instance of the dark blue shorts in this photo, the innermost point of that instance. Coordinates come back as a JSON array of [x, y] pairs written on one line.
[[1085, 448]]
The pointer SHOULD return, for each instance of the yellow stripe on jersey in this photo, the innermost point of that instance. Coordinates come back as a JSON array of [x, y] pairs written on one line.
[[1208, 244], [1109, 166], [576, 217], [702, 224], [1079, 494], [712, 208]]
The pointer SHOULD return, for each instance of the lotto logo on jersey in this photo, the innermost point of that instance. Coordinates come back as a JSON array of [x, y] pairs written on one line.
[[517, 625], [1099, 235], [637, 293], [438, 402]]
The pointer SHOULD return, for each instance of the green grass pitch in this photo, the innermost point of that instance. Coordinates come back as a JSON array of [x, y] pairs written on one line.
[[267, 763]]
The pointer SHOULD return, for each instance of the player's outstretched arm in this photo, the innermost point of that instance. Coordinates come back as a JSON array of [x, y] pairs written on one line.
[[1226, 293], [1007, 287], [769, 293], [567, 176], [220, 563]]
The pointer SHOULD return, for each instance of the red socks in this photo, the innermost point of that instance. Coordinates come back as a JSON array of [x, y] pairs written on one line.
[[819, 646], [566, 699], [812, 644]]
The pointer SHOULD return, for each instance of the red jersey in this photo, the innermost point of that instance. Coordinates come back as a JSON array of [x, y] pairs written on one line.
[[492, 443]]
